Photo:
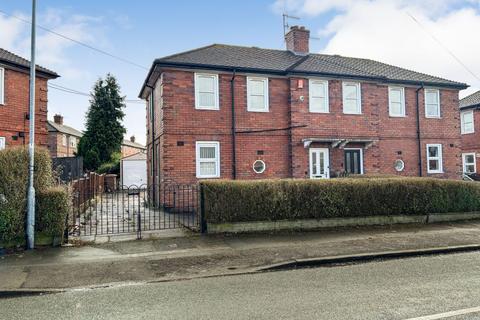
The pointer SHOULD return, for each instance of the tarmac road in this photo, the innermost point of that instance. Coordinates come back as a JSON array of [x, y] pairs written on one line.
[[426, 288]]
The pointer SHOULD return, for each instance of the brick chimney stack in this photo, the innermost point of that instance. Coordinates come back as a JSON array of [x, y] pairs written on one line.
[[132, 138], [58, 119], [297, 39]]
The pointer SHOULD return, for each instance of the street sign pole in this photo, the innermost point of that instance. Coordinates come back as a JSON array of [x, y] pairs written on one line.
[[31, 145]]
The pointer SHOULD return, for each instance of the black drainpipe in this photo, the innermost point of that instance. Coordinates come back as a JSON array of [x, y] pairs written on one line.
[[234, 130], [152, 105], [419, 141]]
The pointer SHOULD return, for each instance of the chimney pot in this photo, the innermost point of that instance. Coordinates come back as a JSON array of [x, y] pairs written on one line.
[[132, 138], [58, 119], [297, 39]]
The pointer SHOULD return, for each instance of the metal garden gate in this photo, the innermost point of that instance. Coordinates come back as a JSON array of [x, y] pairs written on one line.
[[99, 210]]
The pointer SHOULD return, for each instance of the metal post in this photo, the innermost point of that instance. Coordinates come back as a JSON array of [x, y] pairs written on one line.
[[31, 145]]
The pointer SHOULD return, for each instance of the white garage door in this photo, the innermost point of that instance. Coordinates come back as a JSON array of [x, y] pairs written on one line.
[[134, 172]]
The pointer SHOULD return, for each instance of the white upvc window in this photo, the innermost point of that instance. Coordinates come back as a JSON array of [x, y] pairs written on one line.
[[64, 140], [257, 94], [432, 103], [434, 158], [206, 91], [469, 163], [2, 143], [2, 85], [467, 122], [208, 159], [396, 101], [73, 142], [352, 101], [318, 96]]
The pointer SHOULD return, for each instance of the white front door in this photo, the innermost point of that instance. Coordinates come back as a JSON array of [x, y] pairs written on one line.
[[319, 165]]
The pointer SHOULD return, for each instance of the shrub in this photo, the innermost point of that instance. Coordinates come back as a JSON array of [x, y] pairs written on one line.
[[113, 166], [14, 185], [53, 207], [238, 201]]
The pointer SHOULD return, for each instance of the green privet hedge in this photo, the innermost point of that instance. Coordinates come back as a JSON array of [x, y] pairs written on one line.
[[53, 206], [14, 187], [269, 200]]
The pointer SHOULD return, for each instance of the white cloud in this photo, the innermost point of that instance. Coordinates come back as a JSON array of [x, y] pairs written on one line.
[[384, 31]]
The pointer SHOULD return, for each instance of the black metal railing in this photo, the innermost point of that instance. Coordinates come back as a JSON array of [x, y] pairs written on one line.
[[102, 210]]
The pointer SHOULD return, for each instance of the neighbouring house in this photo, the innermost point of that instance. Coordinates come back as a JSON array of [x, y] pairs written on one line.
[[469, 122], [62, 139], [233, 112], [130, 147], [14, 101]]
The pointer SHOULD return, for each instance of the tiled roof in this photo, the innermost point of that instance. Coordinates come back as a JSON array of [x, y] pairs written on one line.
[[133, 144], [220, 56], [471, 100], [52, 126], [11, 58]]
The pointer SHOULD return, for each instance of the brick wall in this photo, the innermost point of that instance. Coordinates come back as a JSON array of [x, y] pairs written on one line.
[[57, 148], [12, 113], [179, 125]]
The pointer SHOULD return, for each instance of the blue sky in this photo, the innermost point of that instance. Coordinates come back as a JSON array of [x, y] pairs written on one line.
[[144, 30]]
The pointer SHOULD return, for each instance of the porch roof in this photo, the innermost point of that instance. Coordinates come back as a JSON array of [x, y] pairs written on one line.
[[339, 142]]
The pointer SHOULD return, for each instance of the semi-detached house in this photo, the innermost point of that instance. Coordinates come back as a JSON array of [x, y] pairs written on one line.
[[233, 112], [470, 122]]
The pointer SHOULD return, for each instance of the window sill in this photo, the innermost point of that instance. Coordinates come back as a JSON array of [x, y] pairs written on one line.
[[464, 133], [205, 108], [324, 112], [208, 177], [438, 118], [261, 111], [352, 113], [435, 172], [399, 116]]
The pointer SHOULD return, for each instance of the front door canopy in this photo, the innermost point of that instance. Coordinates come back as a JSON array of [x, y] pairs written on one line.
[[339, 142]]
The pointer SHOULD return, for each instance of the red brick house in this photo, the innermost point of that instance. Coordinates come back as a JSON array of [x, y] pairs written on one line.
[[232, 112], [62, 139], [470, 129], [14, 100]]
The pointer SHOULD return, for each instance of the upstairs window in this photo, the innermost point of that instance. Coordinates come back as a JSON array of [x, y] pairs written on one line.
[[318, 96], [467, 122], [257, 94], [2, 143], [206, 91], [73, 142], [2, 86], [208, 159], [434, 158], [352, 98], [396, 101], [64, 140], [432, 103]]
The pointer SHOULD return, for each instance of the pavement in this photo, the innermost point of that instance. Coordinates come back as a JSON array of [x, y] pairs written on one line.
[[422, 288], [191, 257]]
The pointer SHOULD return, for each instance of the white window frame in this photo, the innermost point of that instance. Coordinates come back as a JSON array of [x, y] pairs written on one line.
[[361, 157], [3, 143], [311, 108], [64, 140], [197, 91], [402, 101], [439, 114], [464, 164], [266, 95], [2, 86], [439, 158], [463, 122], [200, 144], [359, 96]]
